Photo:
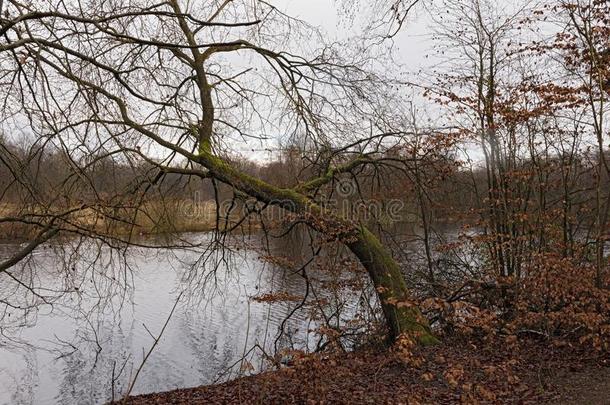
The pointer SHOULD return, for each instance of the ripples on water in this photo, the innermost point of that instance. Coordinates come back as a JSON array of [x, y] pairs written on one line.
[[56, 357]]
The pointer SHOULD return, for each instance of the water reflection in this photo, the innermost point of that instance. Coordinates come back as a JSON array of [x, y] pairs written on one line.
[[89, 340]]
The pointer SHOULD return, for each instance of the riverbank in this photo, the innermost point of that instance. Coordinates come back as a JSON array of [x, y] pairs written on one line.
[[458, 371], [148, 219]]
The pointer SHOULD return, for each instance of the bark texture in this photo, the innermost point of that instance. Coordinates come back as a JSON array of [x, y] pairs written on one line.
[[401, 316]]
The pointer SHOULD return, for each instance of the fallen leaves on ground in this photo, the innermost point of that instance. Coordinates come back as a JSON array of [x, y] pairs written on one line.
[[457, 371]]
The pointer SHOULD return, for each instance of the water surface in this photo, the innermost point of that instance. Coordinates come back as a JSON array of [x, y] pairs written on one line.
[[84, 345]]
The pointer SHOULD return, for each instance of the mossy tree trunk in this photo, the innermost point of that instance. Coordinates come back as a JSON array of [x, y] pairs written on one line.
[[401, 315]]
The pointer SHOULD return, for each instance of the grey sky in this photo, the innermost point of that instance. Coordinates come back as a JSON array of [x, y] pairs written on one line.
[[410, 48], [411, 44]]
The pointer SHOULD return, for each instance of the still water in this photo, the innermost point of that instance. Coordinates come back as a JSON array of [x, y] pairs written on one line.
[[91, 336]]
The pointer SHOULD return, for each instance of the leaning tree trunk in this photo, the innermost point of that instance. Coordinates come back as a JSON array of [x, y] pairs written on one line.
[[402, 316]]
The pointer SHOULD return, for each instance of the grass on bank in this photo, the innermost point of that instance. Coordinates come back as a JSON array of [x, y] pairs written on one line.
[[18, 223]]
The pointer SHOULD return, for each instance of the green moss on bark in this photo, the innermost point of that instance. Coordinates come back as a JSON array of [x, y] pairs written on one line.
[[381, 266], [402, 318]]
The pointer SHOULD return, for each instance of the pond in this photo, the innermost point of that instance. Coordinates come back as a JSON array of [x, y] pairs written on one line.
[[103, 310]]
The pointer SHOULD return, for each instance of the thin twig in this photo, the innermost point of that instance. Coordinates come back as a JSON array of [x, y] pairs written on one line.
[[157, 339]]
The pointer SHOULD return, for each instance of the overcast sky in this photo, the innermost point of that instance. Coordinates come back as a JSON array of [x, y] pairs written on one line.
[[411, 44], [409, 49]]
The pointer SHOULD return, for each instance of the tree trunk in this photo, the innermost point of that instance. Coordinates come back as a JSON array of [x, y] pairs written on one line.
[[401, 315]]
